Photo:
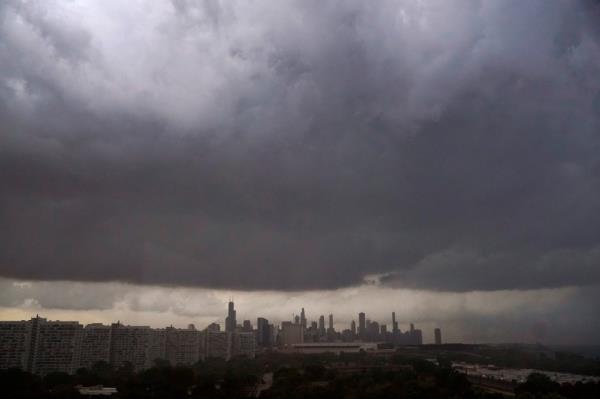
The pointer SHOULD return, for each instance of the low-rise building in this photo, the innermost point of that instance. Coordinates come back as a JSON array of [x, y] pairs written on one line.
[[333, 347]]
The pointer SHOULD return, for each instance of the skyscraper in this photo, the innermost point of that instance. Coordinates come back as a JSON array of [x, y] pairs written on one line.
[[353, 327], [438, 336], [362, 326], [321, 325], [394, 324], [303, 318], [331, 323], [15, 337], [230, 321], [263, 332], [291, 334], [373, 330], [417, 337]]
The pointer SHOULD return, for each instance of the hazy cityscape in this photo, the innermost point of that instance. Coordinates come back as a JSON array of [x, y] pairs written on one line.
[[44, 346], [80, 360]]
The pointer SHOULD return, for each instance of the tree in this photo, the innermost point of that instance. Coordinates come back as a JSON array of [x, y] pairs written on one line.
[[539, 385]]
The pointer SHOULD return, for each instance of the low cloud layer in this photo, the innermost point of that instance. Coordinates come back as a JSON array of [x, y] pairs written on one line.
[[300, 145], [549, 316]]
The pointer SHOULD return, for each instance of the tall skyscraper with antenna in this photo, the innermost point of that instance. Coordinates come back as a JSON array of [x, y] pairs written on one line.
[[230, 321]]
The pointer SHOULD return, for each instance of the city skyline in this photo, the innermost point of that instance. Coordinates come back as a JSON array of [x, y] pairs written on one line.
[[255, 322], [43, 346], [158, 306], [435, 159]]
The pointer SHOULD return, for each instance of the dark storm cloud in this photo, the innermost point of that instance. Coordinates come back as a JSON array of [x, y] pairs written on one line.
[[296, 145]]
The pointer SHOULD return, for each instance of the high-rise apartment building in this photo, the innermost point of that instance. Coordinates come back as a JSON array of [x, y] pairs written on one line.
[[438, 336], [15, 337], [157, 346], [263, 332], [130, 344], [244, 344], [55, 346], [218, 344], [182, 346], [95, 345]]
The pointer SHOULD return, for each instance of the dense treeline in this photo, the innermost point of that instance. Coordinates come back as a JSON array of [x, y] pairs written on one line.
[[539, 386], [519, 357], [212, 379], [294, 376], [423, 380]]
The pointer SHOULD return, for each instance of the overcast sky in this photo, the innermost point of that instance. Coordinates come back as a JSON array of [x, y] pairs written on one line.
[[438, 158]]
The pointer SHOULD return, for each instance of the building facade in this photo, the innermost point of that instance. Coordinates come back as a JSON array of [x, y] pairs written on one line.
[[183, 346], [95, 345], [218, 344], [438, 336], [15, 337], [56, 346], [291, 333], [244, 344], [130, 344]]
